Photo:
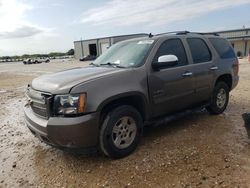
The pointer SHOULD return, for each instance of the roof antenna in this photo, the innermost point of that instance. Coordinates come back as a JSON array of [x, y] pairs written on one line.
[[150, 35]]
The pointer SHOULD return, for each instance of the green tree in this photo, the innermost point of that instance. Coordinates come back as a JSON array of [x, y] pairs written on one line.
[[71, 52], [56, 54]]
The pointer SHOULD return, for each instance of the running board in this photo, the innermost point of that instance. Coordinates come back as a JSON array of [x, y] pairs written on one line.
[[172, 117]]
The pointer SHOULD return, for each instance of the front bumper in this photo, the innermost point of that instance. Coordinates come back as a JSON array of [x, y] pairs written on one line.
[[75, 132]]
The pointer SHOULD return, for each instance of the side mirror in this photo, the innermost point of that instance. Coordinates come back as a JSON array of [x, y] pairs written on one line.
[[165, 61]]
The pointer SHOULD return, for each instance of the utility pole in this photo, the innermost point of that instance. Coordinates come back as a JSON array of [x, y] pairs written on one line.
[[81, 48]]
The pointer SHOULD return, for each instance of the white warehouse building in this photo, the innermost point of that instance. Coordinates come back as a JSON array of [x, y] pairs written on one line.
[[96, 47], [239, 38]]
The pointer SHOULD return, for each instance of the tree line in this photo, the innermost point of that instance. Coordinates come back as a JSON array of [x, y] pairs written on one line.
[[33, 56]]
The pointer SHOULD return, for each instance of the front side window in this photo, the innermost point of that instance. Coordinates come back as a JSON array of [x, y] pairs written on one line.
[[172, 47], [199, 50]]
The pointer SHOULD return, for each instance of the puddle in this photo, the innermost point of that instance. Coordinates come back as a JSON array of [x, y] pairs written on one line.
[[3, 91]]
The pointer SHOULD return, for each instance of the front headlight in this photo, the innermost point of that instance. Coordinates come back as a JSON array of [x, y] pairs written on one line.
[[69, 104]]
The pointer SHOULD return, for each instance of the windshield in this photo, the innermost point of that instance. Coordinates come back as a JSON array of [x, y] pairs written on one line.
[[125, 54]]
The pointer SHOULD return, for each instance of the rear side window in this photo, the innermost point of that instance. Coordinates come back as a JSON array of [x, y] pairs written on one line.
[[199, 50], [223, 48], [173, 47]]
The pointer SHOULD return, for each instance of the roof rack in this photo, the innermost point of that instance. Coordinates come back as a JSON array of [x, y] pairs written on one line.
[[173, 32], [211, 33], [184, 33]]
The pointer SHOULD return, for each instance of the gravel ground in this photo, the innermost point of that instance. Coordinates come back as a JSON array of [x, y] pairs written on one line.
[[198, 150]]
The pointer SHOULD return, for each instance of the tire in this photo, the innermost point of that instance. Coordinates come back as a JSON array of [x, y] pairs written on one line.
[[114, 134], [219, 99]]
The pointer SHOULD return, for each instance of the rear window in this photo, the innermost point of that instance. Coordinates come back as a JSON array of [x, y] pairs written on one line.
[[199, 50], [223, 48]]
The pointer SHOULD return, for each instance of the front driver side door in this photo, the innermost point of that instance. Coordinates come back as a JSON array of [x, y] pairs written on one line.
[[172, 88]]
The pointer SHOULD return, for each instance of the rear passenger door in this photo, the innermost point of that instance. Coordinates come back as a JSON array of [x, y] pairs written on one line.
[[171, 88], [203, 68]]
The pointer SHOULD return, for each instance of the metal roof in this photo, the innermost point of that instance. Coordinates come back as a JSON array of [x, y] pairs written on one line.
[[138, 34], [178, 32], [232, 30], [239, 37]]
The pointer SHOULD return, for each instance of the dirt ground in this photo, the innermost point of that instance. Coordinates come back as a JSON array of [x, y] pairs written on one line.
[[199, 150]]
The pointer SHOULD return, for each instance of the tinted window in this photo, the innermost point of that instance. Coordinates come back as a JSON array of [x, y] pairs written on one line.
[[199, 50], [223, 48], [173, 47]]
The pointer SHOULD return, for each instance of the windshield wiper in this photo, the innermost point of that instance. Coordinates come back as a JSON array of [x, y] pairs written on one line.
[[113, 64], [96, 65]]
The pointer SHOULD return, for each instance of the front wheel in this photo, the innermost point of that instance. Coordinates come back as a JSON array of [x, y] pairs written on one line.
[[219, 99], [120, 132]]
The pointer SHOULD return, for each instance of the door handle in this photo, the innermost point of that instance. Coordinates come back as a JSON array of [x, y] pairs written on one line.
[[187, 74], [214, 68], [158, 92]]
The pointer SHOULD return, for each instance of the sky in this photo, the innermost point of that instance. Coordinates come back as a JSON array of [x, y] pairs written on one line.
[[43, 26]]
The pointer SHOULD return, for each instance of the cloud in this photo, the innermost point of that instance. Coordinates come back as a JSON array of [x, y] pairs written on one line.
[[21, 32], [12, 20], [153, 12], [56, 5]]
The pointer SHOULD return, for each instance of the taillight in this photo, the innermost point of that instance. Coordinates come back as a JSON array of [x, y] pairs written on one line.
[[236, 67]]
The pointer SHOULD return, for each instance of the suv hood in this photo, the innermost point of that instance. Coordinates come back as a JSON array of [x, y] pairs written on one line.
[[62, 82]]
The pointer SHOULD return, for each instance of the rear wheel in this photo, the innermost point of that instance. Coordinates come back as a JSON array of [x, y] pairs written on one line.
[[219, 99], [120, 132]]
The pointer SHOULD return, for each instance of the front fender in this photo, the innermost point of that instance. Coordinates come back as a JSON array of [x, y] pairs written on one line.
[[122, 96], [105, 89]]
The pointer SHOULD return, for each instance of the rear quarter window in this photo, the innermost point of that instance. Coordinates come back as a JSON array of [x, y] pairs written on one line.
[[223, 48]]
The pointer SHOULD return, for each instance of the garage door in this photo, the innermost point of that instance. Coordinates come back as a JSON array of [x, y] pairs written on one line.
[[104, 47]]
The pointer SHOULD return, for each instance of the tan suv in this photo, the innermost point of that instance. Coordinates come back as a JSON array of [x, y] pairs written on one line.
[[106, 104]]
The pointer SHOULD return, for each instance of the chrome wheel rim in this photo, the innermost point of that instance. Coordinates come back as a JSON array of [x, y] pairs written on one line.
[[124, 132], [221, 98]]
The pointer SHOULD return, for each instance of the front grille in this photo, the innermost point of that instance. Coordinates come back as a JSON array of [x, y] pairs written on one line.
[[39, 109], [39, 102]]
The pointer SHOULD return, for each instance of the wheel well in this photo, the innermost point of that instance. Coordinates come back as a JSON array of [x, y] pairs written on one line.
[[136, 101], [227, 78]]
